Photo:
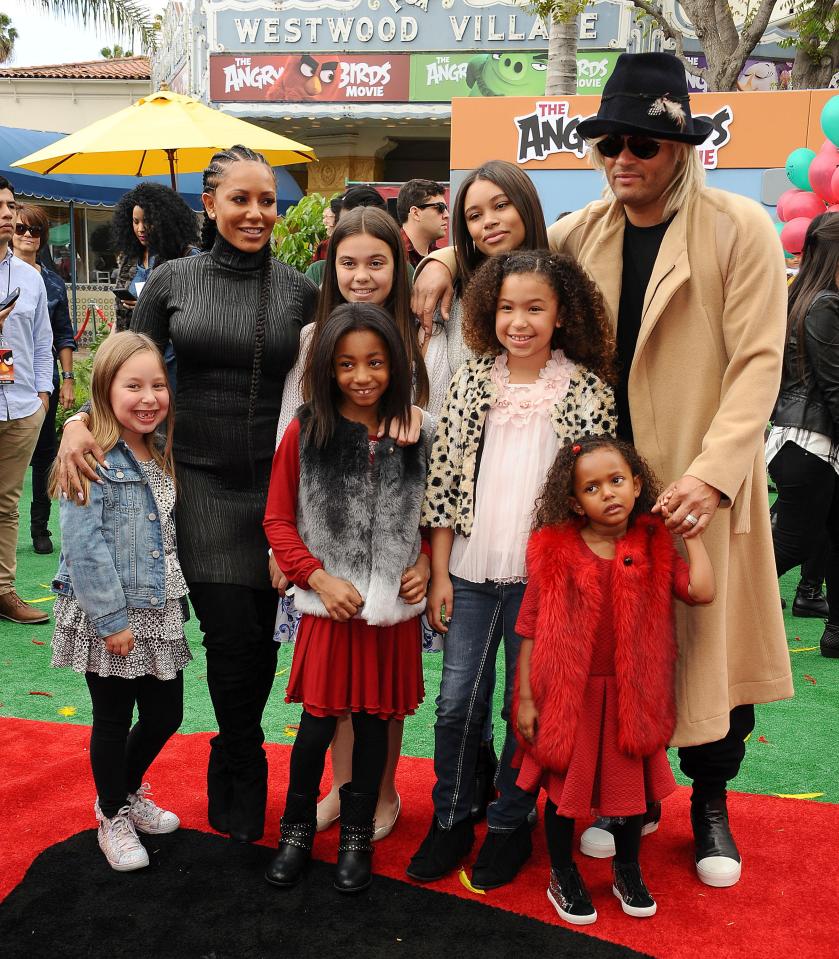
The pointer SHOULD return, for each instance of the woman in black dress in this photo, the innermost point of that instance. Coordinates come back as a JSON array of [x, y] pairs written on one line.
[[233, 315]]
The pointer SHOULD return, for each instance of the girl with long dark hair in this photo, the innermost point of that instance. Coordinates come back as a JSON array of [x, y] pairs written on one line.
[[802, 450]]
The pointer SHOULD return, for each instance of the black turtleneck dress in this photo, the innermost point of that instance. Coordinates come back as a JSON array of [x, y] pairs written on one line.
[[207, 305]]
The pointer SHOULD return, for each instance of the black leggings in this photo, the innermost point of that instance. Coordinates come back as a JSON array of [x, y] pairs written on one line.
[[806, 508], [308, 755], [120, 754], [559, 832]]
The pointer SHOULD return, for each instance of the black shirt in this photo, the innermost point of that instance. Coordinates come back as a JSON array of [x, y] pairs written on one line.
[[640, 249]]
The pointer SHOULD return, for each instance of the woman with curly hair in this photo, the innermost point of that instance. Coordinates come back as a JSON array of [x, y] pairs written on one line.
[[595, 699], [543, 375], [151, 224]]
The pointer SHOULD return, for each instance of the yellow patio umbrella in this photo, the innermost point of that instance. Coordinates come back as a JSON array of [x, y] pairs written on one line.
[[162, 133]]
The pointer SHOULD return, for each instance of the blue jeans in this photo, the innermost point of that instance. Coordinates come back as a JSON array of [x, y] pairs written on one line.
[[483, 613]]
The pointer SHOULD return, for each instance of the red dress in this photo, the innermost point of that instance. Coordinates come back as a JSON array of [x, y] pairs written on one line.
[[338, 667], [600, 780]]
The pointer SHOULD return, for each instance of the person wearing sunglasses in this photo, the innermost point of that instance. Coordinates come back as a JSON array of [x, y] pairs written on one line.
[[695, 289], [423, 215], [26, 365], [31, 236]]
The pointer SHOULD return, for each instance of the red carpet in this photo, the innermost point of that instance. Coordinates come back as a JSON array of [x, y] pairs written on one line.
[[782, 906]]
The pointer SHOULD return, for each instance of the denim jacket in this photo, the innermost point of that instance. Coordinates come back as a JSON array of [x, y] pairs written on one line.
[[112, 554]]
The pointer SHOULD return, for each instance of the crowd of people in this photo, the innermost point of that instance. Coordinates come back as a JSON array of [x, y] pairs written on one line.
[[413, 447]]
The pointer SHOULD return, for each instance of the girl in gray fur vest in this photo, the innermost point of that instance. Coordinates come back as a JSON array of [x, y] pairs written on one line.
[[343, 522]]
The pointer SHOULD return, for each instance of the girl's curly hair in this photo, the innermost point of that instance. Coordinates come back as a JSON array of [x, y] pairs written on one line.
[[554, 503], [172, 226], [584, 335]]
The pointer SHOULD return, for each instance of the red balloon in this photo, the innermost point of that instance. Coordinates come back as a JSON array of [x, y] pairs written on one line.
[[821, 173], [833, 209], [834, 185], [795, 203], [792, 235]]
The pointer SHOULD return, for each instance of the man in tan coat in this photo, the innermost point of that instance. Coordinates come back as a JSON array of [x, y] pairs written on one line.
[[694, 282]]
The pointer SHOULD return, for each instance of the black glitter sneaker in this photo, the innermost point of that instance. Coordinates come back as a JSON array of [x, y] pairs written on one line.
[[628, 886], [569, 896]]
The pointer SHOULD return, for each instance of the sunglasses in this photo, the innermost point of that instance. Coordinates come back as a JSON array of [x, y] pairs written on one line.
[[439, 206], [21, 229], [639, 146]]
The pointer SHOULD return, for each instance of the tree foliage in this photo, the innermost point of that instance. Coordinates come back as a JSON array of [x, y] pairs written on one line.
[[128, 17], [297, 234], [115, 52], [816, 27], [8, 35]]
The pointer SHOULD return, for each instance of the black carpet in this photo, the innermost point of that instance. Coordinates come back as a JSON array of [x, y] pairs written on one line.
[[204, 897]]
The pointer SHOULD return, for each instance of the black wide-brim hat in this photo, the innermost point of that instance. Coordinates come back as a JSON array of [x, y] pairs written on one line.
[[647, 93]]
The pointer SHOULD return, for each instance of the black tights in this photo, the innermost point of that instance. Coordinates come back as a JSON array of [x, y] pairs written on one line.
[[308, 754], [120, 754], [559, 832]]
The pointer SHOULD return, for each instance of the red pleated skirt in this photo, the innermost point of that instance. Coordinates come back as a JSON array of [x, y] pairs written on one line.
[[339, 668], [600, 779]]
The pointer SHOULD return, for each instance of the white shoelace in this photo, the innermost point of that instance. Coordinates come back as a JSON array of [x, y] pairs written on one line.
[[122, 833]]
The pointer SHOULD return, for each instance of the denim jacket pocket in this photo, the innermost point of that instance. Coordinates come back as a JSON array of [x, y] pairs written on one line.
[[123, 489]]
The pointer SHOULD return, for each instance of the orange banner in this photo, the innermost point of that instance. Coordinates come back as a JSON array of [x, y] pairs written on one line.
[[751, 130]]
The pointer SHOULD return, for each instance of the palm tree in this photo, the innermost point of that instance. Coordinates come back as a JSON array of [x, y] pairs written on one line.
[[115, 52], [562, 17], [129, 17], [8, 35]]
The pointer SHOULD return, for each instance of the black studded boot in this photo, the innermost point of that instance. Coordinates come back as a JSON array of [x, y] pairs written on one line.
[[354, 871], [297, 833]]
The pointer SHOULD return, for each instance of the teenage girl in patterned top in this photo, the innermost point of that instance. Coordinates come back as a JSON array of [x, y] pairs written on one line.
[[538, 328], [121, 594]]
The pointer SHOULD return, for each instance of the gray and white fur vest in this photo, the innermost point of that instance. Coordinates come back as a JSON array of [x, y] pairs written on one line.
[[361, 519]]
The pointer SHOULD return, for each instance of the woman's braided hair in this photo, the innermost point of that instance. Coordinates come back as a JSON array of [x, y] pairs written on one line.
[[213, 175]]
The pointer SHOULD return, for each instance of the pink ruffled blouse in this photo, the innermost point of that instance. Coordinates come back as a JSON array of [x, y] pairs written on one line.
[[520, 445]]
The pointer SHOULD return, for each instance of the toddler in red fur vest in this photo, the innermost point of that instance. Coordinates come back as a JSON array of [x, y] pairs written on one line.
[[594, 701]]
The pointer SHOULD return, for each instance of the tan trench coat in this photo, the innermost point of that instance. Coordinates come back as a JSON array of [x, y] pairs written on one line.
[[702, 385]]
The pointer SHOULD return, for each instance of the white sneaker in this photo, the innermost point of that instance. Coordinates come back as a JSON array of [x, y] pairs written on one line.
[[119, 841], [148, 817]]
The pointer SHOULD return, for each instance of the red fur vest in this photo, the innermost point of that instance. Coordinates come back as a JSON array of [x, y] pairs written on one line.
[[562, 571]]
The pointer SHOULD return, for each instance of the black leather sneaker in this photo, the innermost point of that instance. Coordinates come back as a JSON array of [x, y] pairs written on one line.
[[568, 895], [717, 859], [628, 885], [810, 602], [598, 841]]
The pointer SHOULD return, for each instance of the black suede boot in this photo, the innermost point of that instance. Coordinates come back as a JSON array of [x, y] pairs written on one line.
[[219, 788], [250, 796], [297, 833], [354, 871], [484, 792], [442, 850]]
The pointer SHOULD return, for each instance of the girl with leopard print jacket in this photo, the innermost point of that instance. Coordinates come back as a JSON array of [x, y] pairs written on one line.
[[544, 363]]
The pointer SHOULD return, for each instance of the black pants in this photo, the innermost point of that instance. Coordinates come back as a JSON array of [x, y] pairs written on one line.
[[712, 766], [308, 754], [120, 754], [238, 627], [43, 457], [559, 833], [806, 508]]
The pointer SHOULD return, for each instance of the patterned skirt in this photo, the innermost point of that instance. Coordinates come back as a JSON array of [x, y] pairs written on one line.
[[160, 647]]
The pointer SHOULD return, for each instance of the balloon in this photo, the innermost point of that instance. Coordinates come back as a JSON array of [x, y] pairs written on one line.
[[821, 173], [778, 228], [794, 203], [830, 120], [792, 235], [833, 209], [834, 185], [798, 163]]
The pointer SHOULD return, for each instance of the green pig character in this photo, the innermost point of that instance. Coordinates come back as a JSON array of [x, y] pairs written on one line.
[[507, 74]]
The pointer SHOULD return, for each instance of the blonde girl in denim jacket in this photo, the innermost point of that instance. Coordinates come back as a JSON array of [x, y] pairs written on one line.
[[121, 595]]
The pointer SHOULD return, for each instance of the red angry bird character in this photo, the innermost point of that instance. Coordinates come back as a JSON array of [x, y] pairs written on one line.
[[304, 78]]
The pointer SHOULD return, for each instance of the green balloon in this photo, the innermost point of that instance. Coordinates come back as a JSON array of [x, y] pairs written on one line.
[[778, 227], [798, 167], [830, 120]]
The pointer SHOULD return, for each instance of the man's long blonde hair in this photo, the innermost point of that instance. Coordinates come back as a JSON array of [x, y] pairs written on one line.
[[688, 181], [106, 429]]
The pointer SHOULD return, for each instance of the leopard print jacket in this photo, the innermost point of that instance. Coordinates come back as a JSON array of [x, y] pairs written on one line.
[[587, 407]]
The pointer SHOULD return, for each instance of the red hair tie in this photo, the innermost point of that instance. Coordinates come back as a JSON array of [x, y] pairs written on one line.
[[576, 449]]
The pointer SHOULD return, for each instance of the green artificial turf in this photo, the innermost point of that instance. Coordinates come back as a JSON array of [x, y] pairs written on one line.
[[790, 752]]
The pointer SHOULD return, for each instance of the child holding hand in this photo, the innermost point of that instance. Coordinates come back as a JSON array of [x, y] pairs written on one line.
[[595, 704]]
